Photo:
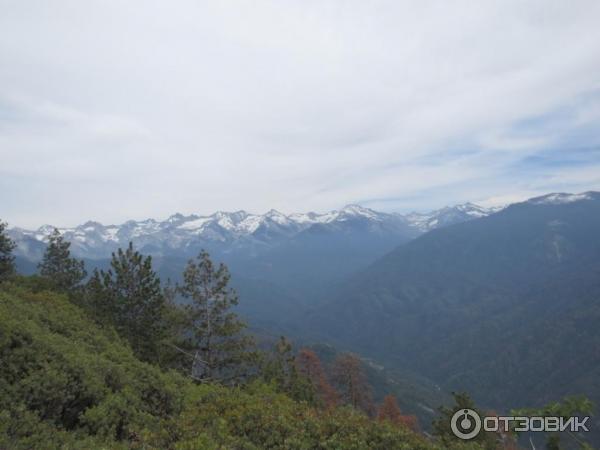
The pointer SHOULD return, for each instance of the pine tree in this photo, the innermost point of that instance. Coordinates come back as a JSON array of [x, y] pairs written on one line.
[[129, 296], [278, 368], [220, 349], [66, 273], [7, 260], [351, 381], [172, 353]]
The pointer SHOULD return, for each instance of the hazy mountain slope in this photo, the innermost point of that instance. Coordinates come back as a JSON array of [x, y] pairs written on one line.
[[325, 254], [506, 306]]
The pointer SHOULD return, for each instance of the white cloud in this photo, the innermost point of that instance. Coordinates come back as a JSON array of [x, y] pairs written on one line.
[[113, 110]]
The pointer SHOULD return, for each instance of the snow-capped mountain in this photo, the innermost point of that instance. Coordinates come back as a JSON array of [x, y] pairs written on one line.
[[561, 198], [228, 231], [448, 216]]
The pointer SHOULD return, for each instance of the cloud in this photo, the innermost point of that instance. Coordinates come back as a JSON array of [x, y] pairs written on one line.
[[112, 110]]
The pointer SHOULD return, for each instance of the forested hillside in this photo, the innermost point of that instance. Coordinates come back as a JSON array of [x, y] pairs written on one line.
[[506, 306]]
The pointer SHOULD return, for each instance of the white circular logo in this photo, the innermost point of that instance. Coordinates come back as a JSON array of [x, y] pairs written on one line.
[[465, 424]]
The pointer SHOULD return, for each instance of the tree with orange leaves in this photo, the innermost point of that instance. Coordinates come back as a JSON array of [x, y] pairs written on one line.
[[309, 365], [390, 411], [409, 421], [350, 379]]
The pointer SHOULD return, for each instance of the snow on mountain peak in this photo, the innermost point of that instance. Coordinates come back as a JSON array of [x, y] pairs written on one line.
[[194, 224], [277, 217], [447, 215], [175, 218], [46, 229], [560, 198], [358, 210], [473, 210], [302, 218], [92, 239]]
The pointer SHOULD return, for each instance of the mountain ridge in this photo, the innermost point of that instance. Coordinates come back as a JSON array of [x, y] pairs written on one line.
[[513, 298], [96, 240]]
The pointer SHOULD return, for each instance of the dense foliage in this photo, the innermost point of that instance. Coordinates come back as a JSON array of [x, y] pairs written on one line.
[[67, 383]]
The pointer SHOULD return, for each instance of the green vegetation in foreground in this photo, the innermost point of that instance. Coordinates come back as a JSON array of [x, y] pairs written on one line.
[[67, 383], [106, 364]]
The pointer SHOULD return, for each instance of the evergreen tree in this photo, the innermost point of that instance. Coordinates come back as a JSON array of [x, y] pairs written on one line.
[[66, 273], [129, 296], [220, 349], [278, 367], [172, 354], [7, 260]]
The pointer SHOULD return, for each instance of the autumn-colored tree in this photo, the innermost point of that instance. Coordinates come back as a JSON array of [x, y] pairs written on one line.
[[309, 365], [390, 411], [351, 381], [411, 422]]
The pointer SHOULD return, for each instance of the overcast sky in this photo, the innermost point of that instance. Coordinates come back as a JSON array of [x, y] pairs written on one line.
[[113, 110]]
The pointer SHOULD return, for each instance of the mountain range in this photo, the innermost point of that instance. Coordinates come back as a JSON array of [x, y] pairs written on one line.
[[231, 231], [281, 264]]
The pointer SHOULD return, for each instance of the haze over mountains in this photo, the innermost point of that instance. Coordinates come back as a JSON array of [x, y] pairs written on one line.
[[502, 303]]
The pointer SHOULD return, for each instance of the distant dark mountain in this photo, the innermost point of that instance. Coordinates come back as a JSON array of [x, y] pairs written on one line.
[[326, 253], [506, 306]]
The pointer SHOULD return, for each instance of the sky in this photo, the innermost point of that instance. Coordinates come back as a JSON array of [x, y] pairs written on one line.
[[113, 110]]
